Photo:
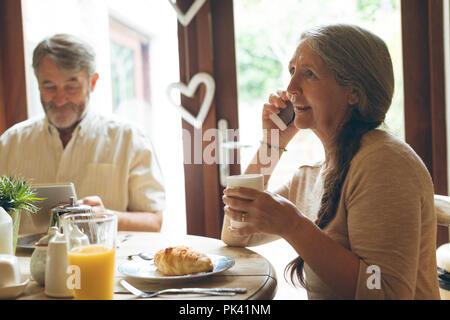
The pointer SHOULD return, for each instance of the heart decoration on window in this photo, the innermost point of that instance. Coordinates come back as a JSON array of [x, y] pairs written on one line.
[[189, 91], [186, 18]]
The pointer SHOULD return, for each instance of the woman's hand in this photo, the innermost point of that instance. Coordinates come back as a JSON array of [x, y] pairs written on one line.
[[275, 104], [265, 212]]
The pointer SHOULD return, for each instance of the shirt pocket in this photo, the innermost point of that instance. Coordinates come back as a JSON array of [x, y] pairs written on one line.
[[106, 181]]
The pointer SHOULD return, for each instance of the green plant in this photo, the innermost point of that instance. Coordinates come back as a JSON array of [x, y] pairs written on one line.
[[16, 194]]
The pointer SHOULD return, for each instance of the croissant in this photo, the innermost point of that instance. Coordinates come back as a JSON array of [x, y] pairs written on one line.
[[182, 260]]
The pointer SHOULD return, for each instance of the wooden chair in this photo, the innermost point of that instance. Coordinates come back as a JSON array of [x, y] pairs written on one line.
[[442, 208]]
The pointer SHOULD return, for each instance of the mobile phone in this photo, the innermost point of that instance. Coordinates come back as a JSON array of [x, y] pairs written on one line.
[[285, 117]]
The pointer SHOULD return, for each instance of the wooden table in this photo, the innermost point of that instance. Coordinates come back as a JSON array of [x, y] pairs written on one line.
[[251, 270]]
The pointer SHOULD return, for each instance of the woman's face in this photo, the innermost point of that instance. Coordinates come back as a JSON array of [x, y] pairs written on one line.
[[320, 103]]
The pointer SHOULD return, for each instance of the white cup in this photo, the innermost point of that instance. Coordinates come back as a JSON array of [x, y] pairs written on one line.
[[254, 181]]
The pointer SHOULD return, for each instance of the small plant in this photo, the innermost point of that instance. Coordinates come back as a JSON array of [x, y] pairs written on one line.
[[16, 194]]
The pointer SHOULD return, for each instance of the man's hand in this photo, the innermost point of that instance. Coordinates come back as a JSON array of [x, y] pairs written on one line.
[[130, 221], [95, 202]]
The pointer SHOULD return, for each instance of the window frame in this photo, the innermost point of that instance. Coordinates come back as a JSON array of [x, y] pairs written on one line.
[[13, 91], [424, 89], [128, 37], [207, 45]]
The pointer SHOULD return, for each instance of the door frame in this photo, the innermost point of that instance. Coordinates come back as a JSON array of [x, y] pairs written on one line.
[[13, 91], [424, 89]]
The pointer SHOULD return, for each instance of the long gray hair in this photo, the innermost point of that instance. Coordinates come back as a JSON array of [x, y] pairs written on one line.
[[359, 60], [68, 52]]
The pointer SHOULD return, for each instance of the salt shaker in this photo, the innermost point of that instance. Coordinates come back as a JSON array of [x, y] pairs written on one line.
[[56, 268]]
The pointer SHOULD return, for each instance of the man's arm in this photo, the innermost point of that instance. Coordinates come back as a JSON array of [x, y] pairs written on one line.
[[139, 221], [130, 221]]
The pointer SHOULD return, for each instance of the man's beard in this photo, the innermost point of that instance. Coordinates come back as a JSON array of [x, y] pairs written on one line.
[[65, 116]]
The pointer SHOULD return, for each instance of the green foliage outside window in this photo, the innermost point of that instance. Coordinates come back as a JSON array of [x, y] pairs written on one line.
[[267, 32], [367, 9], [122, 74]]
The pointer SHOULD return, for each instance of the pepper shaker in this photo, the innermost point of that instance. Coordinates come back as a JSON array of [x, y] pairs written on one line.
[[56, 268]]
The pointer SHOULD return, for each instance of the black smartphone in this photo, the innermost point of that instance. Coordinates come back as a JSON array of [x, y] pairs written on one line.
[[285, 117]]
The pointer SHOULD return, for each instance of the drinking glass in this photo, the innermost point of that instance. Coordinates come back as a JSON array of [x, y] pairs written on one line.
[[91, 248], [254, 181]]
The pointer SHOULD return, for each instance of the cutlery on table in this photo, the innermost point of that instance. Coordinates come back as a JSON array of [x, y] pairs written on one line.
[[142, 255], [210, 291], [122, 240]]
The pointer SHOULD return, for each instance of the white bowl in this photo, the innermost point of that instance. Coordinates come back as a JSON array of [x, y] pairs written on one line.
[[12, 292]]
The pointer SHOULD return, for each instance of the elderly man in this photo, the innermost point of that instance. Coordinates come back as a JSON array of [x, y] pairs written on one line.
[[111, 163]]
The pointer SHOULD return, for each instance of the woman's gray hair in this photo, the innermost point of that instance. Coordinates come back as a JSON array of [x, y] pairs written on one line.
[[69, 53], [359, 59]]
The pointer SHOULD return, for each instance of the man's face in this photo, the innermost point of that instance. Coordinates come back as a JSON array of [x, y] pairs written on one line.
[[64, 95]]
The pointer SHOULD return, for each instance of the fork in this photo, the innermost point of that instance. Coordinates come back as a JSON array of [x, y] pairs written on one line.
[[142, 255], [210, 291]]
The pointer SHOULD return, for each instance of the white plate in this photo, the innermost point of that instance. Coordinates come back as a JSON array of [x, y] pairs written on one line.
[[146, 270], [12, 292]]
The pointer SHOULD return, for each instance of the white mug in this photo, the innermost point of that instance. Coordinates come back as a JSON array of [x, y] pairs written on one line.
[[254, 181]]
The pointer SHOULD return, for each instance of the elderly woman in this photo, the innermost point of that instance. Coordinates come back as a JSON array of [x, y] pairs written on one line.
[[363, 221]]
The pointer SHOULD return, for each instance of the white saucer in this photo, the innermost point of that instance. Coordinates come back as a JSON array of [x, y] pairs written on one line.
[[12, 292]]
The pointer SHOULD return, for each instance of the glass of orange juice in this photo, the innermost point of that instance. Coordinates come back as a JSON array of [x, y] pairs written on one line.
[[91, 248]]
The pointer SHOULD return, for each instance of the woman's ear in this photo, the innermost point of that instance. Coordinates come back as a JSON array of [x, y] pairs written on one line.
[[353, 97]]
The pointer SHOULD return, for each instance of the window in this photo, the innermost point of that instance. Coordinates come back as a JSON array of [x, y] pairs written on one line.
[[265, 40], [130, 72], [122, 74], [133, 74]]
